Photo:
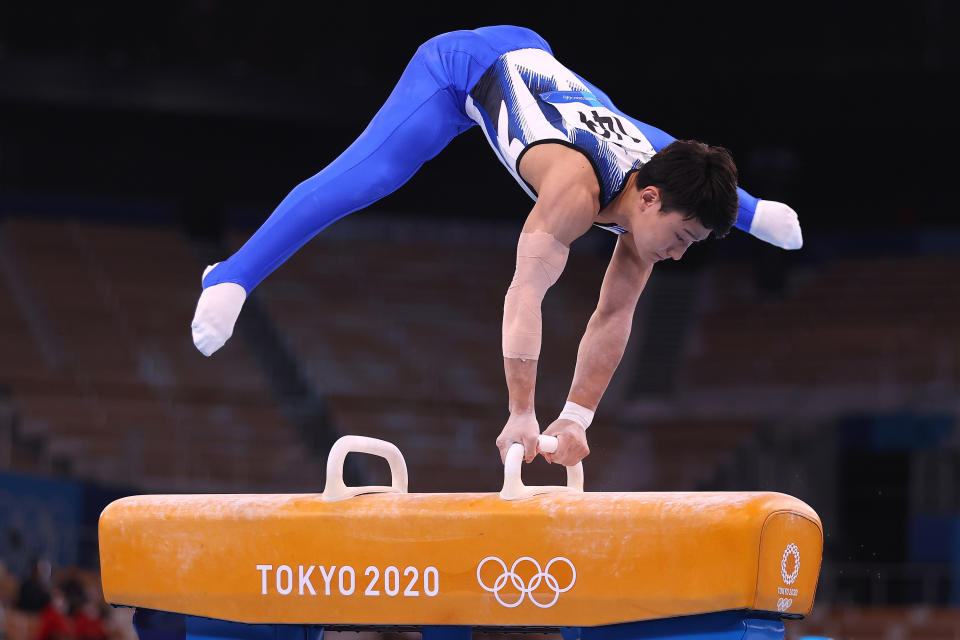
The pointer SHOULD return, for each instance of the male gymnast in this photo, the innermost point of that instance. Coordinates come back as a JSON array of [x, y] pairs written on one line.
[[583, 161]]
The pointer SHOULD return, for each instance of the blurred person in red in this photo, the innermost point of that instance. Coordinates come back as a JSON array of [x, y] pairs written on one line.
[[54, 623], [85, 611]]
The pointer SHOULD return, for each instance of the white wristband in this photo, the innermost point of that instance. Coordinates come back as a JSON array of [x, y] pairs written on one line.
[[581, 415]]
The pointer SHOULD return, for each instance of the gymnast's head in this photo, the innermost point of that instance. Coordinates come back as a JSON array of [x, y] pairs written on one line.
[[686, 191]]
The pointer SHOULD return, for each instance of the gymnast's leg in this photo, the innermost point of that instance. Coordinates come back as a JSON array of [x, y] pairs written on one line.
[[418, 120], [772, 222]]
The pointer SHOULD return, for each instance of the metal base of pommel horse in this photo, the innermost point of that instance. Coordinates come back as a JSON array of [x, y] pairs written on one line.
[[591, 565]]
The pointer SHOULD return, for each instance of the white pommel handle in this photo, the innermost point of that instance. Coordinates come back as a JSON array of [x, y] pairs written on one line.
[[548, 444], [335, 489], [513, 487]]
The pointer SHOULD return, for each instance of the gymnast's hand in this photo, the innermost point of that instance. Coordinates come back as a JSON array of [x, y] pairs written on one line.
[[522, 428], [571, 442], [776, 223], [217, 312]]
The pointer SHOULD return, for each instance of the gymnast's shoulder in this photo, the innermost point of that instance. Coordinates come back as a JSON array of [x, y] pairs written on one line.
[[564, 181]]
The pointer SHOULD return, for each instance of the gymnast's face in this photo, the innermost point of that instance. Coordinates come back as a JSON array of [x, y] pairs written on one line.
[[657, 234]]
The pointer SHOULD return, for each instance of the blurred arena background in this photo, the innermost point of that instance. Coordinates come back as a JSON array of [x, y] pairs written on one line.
[[139, 143]]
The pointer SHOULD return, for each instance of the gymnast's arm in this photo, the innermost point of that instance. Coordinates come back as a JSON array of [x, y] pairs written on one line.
[[600, 349], [567, 203]]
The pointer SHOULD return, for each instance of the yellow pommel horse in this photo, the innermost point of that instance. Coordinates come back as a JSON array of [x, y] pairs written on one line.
[[593, 565]]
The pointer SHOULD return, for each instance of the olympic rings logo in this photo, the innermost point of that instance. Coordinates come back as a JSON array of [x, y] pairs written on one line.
[[784, 603], [526, 588], [791, 550]]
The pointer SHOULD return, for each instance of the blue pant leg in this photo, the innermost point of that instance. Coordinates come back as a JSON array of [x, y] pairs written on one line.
[[659, 139], [417, 121]]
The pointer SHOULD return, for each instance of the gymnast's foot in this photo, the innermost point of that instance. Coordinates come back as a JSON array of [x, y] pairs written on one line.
[[217, 312], [776, 223]]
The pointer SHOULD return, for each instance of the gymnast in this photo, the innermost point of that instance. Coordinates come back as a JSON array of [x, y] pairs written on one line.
[[583, 161]]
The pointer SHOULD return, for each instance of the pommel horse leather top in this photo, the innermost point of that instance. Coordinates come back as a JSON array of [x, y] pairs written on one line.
[[388, 557]]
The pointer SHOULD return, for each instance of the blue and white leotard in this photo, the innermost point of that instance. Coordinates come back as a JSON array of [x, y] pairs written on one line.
[[503, 78], [528, 98]]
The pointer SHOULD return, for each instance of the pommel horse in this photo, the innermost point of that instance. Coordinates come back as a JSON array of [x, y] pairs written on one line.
[[596, 566]]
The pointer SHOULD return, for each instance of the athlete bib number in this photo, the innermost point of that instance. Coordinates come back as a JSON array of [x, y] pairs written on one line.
[[582, 110]]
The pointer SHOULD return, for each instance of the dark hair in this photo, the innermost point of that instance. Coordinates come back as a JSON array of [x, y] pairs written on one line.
[[697, 180]]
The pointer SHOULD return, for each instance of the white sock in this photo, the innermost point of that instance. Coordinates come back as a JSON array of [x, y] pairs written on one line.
[[217, 312], [776, 223]]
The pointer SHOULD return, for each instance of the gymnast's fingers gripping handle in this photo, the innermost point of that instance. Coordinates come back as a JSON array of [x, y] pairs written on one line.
[[335, 488], [513, 487]]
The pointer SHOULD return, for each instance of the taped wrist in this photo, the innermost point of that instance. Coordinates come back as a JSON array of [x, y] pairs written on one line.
[[540, 261], [579, 414]]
